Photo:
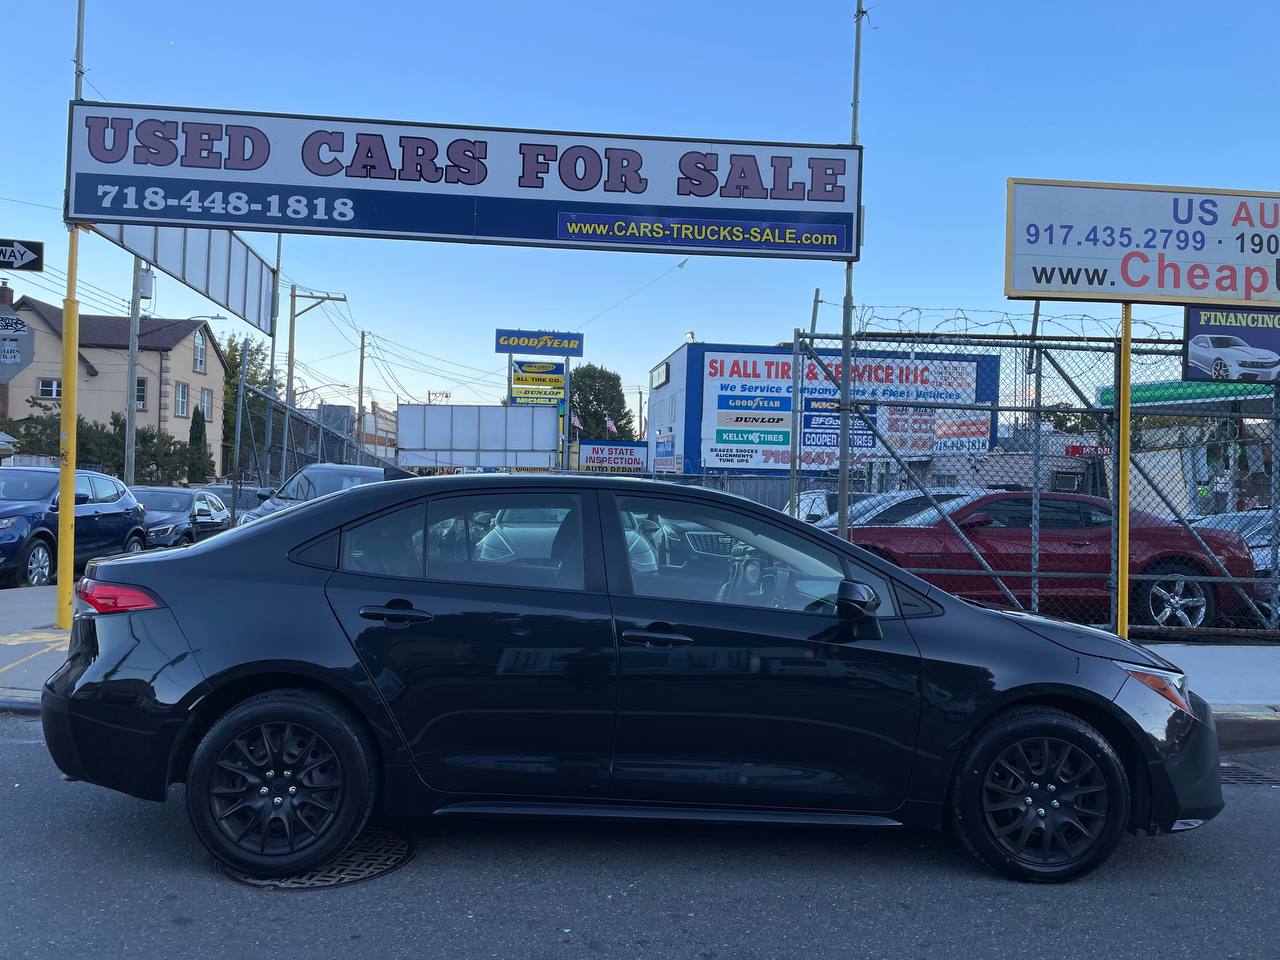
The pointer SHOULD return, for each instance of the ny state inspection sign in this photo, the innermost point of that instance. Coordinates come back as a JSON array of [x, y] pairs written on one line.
[[1143, 244], [302, 174]]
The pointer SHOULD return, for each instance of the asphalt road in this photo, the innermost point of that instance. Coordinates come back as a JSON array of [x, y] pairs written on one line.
[[92, 873]]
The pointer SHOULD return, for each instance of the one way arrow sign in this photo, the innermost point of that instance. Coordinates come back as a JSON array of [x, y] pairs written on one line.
[[21, 255]]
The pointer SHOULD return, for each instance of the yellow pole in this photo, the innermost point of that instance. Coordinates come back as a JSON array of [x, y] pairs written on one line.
[[1122, 474], [67, 436]]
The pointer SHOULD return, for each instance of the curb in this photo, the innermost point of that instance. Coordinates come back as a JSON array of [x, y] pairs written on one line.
[[1247, 726], [23, 706]]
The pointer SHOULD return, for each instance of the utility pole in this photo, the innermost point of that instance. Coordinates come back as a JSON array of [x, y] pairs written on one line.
[[271, 368], [131, 380], [360, 398], [294, 313], [641, 432], [846, 320]]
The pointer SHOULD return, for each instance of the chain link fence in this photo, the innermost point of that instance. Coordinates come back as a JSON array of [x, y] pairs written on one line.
[[987, 464]]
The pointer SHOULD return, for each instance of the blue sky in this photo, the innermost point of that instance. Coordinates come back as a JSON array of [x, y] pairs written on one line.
[[955, 98]]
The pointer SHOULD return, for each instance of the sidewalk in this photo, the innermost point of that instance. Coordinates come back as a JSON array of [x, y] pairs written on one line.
[[1242, 683]]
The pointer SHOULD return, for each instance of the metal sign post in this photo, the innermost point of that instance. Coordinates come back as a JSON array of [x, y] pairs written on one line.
[[1124, 403]]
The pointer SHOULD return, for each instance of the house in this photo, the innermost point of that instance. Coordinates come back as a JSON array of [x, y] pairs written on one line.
[[180, 367]]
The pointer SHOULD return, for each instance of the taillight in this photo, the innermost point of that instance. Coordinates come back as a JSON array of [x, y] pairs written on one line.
[[104, 597]]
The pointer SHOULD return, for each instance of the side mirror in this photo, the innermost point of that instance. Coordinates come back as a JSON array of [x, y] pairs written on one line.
[[204, 512], [81, 498], [265, 493], [856, 601], [814, 517], [975, 520]]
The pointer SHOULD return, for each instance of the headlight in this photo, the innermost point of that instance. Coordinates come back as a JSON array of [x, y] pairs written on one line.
[[160, 531], [7, 522], [1170, 685]]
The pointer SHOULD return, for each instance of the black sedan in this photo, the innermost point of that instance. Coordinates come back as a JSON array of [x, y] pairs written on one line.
[[179, 517], [377, 649]]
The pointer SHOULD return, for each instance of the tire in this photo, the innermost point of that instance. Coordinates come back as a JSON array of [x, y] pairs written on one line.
[[1220, 370], [33, 571], [321, 743], [133, 544], [988, 805], [1180, 601]]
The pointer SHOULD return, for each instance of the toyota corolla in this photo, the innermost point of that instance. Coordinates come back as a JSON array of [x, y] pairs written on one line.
[[641, 651]]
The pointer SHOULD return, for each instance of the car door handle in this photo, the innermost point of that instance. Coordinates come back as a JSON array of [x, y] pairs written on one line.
[[656, 639], [396, 616]]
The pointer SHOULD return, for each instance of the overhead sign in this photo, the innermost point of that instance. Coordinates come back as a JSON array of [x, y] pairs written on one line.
[[217, 264], [301, 174], [538, 373], [22, 255], [748, 413], [1134, 243], [613, 456], [1231, 343], [448, 435], [17, 344], [541, 343]]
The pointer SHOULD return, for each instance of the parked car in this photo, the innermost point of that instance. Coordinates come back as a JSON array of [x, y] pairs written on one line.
[[226, 492], [1075, 538], [314, 480], [1243, 522], [886, 508], [1230, 358], [374, 655], [108, 520], [1259, 541], [177, 516]]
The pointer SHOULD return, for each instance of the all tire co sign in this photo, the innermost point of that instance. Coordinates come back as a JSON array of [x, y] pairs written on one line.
[[301, 174], [1141, 244]]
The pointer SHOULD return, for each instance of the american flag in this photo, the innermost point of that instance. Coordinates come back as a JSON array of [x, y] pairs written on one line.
[[610, 425], [573, 419]]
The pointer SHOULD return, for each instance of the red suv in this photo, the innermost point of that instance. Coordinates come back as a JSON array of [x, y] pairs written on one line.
[[1075, 538]]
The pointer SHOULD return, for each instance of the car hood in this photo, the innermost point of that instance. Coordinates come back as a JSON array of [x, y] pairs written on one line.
[[1089, 641], [155, 519], [21, 508], [1248, 353]]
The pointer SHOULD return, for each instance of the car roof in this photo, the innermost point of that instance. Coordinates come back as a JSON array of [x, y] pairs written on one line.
[[147, 486], [79, 472], [345, 467]]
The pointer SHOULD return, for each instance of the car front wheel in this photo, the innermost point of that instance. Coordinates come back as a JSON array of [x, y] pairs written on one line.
[[133, 544], [1040, 796], [280, 784], [35, 565]]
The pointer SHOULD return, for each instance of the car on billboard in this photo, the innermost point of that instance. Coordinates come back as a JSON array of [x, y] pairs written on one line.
[[1075, 538], [377, 660], [1230, 358]]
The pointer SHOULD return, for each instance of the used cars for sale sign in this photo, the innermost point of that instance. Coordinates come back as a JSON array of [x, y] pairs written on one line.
[[1141, 244], [1231, 343]]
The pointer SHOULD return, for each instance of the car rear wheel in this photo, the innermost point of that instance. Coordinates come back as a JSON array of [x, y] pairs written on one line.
[[1040, 796], [35, 565], [1177, 599], [280, 784]]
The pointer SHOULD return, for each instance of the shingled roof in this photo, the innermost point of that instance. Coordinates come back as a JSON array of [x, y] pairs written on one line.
[[97, 330]]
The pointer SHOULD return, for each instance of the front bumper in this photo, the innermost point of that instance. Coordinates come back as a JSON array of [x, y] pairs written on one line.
[[1186, 789], [113, 711]]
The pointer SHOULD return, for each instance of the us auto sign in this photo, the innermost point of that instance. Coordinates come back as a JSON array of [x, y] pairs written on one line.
[[301, 174]]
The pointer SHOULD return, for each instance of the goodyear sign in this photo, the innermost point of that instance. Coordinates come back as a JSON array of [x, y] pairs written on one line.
[[540, 343]]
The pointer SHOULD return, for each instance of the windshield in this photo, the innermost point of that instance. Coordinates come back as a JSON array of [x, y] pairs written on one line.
[[1226, 342], [929, 516], [908, 508], [27, 484], [307, 485], [164, 501], [532, 515]]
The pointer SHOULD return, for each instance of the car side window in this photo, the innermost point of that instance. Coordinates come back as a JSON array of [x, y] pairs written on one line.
[[215, 504], [389, 545], [104, 490], [510, 539], [702, 552], [84, 493], [1014, 514], [1094, 516]]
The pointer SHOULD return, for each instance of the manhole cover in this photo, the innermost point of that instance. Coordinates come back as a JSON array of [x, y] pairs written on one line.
[[377, 850], [1240, 773]]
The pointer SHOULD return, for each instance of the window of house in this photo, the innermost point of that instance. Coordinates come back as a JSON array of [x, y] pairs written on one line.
[[50, 388], [198, 354], [140, 394], [181, 393], [206, 404]]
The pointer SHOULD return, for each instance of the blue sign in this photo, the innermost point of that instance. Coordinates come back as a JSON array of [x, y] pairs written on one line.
[[1240, 344], [743, 401], [538, 343]]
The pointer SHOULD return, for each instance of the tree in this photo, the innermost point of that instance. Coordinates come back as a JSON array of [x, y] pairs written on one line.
[[259, 375], [158, 457], [199, 463], [597, 394]]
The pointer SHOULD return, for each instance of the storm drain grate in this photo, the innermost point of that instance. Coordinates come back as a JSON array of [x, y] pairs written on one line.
[[378, 850], [1241, 773]]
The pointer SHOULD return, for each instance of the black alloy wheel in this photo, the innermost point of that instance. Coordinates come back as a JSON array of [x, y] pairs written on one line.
[[277, 788], [1040, 795], [281, 783], [1045, 801]]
